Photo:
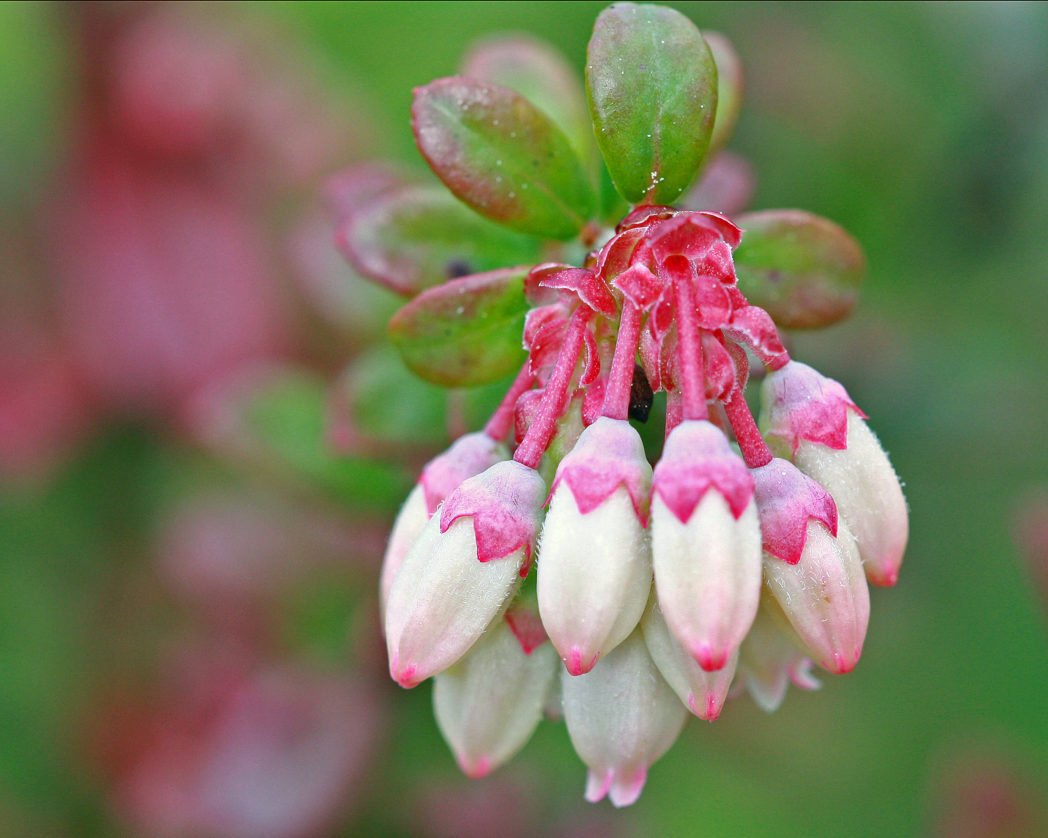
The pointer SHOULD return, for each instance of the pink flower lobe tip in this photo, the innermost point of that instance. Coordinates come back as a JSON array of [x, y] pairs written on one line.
[[887, 579], [527, 627], [708, 658], [597, 785], [475, 768], [843, 664], [577, 664], [406, 675], [709, 710]]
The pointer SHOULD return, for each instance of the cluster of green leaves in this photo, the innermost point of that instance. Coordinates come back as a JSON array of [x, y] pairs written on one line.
[[548, 170]]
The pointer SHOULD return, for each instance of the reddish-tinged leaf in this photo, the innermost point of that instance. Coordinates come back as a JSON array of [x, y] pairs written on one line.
[[804, 270], [729, 89], [465, 332], [652, 86], [418, 236], [354, 188], [725, 186], [503, 156], [540, 74]]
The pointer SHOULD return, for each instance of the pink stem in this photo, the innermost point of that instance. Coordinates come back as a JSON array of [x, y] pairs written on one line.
[[754, 449], [502, 419], [554, 398], [620, 378], [689, 349]]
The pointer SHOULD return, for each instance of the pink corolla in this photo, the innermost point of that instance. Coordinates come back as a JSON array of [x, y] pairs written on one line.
[[813, 422], [594, 564], [811, 565], [462, 570], [621, 717], [705, 543], [470, 455]]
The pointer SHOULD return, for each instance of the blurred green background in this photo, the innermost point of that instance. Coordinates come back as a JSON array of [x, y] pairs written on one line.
[[920, 128]]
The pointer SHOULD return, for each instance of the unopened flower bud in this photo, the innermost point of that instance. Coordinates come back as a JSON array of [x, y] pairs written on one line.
[[594, 567], [700, 691], [462, 570], [470, 455], [489, 703], [621, 717], [769, 661], [786, 501], [706, 543], [407, 527], [824, 596], [811, 419]]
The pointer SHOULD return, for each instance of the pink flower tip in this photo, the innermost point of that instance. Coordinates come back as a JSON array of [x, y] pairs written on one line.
[[843, 664], [884, 579], [622, 790], [476, 768], [406, 676], [709, 659], [576, 664], [712, 709]]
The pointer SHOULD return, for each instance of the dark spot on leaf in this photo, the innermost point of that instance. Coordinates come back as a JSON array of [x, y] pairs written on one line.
[[458, 267], [774, 276]]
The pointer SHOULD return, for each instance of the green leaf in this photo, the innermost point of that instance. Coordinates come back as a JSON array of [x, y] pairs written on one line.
[[466, 332], [540, 74], [376, 381], [274, 421], [419, 236], [652, 87], [805, 270], [729, 89], [502, 156], [384, 401]]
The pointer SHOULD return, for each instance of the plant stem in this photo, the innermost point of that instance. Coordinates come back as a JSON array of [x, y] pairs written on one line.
[[689, 348], [755, 450], [620, 378], [554, 400]]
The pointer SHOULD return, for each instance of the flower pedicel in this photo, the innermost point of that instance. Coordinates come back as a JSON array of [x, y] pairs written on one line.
[[737, 558]]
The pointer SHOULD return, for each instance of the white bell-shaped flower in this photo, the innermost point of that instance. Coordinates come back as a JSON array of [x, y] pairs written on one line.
[[621, 717], [489, 703], [594, 563]]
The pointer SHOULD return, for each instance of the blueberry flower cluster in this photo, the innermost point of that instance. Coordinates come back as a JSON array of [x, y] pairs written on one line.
[[735, 563], [557, 562]]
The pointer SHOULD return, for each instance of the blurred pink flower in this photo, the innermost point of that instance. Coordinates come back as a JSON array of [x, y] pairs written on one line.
[[247, 750], [1030, 528], [987, 793]]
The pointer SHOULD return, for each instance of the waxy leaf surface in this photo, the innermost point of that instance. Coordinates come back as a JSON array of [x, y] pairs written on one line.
[[540, 74], [803, 269], [729, 89], [466, 332], [652, 87], [503, 156], [274, 421], [419, 236]]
